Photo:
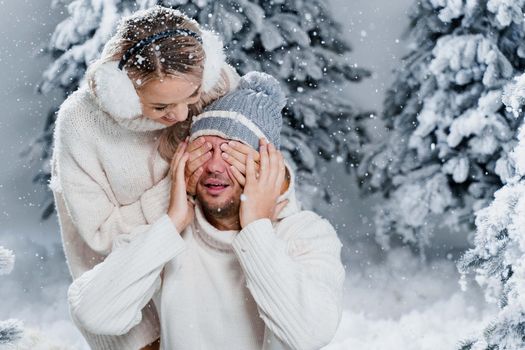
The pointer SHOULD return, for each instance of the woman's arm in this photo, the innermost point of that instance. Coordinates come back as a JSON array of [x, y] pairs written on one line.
[[109, 299], [298, 283]]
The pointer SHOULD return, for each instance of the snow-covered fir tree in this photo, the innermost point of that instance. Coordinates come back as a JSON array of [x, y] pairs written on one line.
[[297, 41], [498, 257], [444, 155], [10, 330]]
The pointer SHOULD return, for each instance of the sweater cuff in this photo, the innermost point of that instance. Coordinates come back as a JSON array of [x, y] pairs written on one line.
[[155, 200], [145, 333]]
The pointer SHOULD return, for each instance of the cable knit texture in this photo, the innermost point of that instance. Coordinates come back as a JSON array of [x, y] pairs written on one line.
[[270, 286]]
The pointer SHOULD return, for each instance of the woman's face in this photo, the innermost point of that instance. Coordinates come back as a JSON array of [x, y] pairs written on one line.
[[166, 100]]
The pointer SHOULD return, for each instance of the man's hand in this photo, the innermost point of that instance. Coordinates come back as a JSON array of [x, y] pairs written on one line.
[[199, 153], [261, 191], [180, 210]]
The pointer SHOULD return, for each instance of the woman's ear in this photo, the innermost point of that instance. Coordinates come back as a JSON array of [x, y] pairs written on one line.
[[115, 92]]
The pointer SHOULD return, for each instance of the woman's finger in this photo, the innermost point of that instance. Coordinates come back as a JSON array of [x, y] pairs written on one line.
[[241, 149], [179, 173], [250, 169], [193, 180], [177, 157], [198, 142], [196, 163], [199, 151], [273, 157], [235, 162], [264, 163], [239, 155], [238, 175], [281, 174]]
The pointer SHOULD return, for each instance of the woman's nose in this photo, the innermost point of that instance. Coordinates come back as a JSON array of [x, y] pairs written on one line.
[[179, 112]]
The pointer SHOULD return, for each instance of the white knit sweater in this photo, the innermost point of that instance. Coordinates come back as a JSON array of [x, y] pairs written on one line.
[[107, 179], [266, 287]]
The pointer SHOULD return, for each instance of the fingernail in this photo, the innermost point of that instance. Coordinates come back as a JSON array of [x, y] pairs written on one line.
[[224, 146], [224, 155], [231, 143]]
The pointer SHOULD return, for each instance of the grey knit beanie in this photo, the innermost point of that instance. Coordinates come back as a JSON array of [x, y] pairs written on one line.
[[250, 112]]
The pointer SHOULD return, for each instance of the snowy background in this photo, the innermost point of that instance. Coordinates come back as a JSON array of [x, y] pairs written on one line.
[[392, 300]]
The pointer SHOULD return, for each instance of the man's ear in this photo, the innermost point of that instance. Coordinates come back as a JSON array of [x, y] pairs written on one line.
[[286, 182]]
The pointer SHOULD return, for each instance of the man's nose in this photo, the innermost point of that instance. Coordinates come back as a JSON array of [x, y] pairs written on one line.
[[216, 164]]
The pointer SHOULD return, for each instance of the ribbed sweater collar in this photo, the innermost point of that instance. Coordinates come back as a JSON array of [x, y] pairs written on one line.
[[213, 238]]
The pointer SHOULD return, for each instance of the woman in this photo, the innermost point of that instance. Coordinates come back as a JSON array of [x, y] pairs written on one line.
[[115, 136]]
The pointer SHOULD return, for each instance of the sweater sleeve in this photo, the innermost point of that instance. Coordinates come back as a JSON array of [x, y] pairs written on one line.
[[297, 283], [90, 202], [109, 299]]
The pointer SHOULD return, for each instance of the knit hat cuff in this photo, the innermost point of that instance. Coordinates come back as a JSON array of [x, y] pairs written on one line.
[[228, 125]]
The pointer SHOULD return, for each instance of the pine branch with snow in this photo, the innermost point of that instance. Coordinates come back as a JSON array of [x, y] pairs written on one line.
[[497, 259], [297, 41], [446, 151]]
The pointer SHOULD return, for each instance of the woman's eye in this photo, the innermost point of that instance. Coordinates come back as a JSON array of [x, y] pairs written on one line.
[[160, 108]]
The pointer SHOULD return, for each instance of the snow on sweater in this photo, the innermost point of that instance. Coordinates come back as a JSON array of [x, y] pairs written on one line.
[[266, 287]]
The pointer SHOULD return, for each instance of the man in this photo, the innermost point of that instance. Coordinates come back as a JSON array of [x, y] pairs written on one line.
[[222, 274]]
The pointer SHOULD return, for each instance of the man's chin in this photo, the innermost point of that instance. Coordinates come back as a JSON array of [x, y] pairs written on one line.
[[218, 205]]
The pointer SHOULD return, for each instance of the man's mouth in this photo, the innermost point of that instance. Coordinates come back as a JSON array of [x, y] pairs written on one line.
[[215, 187]]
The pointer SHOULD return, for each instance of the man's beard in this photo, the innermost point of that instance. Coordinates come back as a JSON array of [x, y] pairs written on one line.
[[228, 209]]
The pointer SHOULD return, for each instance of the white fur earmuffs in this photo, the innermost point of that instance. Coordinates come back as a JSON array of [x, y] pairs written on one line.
[[117, 95]]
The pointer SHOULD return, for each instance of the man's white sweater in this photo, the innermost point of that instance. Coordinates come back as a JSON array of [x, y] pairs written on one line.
[[269, 286]]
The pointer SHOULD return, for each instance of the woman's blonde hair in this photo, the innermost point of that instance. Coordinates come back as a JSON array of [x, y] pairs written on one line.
[[176, 56]]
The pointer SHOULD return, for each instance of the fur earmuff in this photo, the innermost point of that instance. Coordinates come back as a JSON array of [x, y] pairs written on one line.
[[115, 91], [214, 61]]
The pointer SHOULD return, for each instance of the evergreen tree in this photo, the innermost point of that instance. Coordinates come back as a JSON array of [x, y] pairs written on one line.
[[449, 133], [497, 259], [297, 41], [10, 330]]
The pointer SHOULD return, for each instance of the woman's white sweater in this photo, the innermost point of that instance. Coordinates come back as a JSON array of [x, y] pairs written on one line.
[[269, 286], [107, 179]]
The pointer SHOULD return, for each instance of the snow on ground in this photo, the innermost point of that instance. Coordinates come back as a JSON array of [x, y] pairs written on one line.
[[392, 302], [402, 304]]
